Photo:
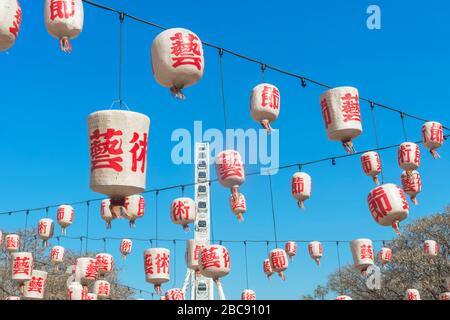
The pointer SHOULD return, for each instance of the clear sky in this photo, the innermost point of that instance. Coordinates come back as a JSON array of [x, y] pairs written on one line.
[[47, 96]]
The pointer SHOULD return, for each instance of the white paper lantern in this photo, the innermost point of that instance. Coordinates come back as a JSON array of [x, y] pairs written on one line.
[[432, 137], [408, 156], [315, 251], [10, 21], [385, 256], [214, 262], [106, 213], [412, 294], [64, 20], [444, 296], [183, 212], [267, 267], [193, 248], [238, 206], [102, 289], [45, 230], [177, 59], [12, 242], [21, 266], [77, 292], [371, 165], [388, 205], [341, 114], [135, 208], [34, 288], [175, 294], [248, 294], [87, 270], [118, 148], [301, 187], [431, 249], [279, 262], [65, 217], [412, 185], [157, 267], [125, 247], [105, 263], [291, 249], [230, 171], [57, 256], [265, 104], [362, 252], [343, 297]]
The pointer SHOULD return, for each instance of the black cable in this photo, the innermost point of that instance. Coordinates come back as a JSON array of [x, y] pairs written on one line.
[[402, 116], [121, 18], [263, 68], [174, 264], [273, 211], [87, 225], [222, 82], [339, 266], [372, 107], [246, 264], [156, 218], [211, 226], [25, 230]]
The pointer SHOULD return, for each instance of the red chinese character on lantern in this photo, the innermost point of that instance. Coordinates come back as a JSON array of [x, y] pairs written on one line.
[[249, 296], [91, 270], [270, 97], [278, 259], [125, 246], [104, 262], [388, 255], [298, 185], [10, 243], [210, 258], [62, 9], [178, 209], [186, 50], [379, 204], [105, 150], [162, 263], [404, 153], [403, 197], [16, 23], [21, 265], [366, 163], [230, 166], [42, 227], [197, 250], [141, 206], [103, 288], [325, 112], [350, 108], [55, 253], [36, 284], [176, 295], [148, 264], [366, 252], [226, 258], [412, 296], [139, 145]]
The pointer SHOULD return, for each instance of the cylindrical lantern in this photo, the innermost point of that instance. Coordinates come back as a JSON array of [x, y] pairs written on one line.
[[57, 256], [162, 298], [444, 296], [432, 137], [267, 267], [301, 187], [175, 294], [315, 251], [65, 217], [135, 207], [77, 292], [45, 230], [87, 269], [157, 267], [21, 266], [238, 206], [279, 262], [177, 59], [248, 294], [341, 114], [362, 252], [214, 262], [408, 156], [125, 247], [385, 255], [12, 242], [193, 248], [412, 294], [118, 148], [412, 185], [371, 165], [106, 213], [34, 288], [91, 296], [183, 212], [102, 289], [230, 171], [291, 249], [265, 104], [343, 297], [430, 248], [388, 205], [12, 298], [105, 263], [10, 21], [64, 20]]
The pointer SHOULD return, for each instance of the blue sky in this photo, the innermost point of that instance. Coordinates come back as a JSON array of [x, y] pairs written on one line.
[[47, 96]]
